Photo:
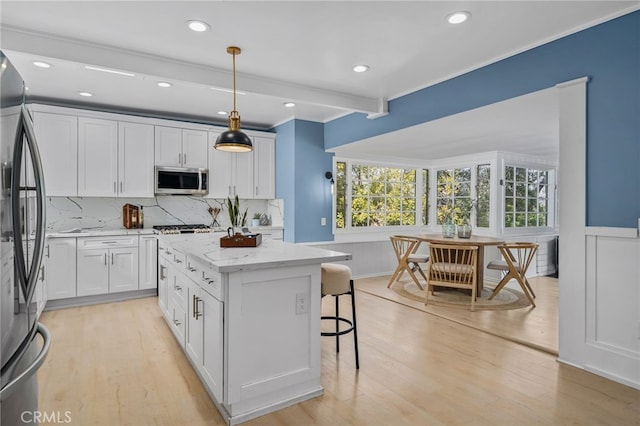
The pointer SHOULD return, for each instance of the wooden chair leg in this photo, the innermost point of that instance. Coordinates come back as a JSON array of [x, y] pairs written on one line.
[[501, 284], [415, 279], [524, 289]]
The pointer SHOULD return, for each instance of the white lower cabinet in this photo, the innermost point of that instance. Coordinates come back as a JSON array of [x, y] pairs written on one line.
[[212, 332], [163, 285], [148, 265], [60, 265], [205, 325], [178, 308], [107, 265]]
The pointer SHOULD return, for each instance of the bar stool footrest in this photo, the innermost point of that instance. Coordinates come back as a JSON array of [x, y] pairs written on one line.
[[341, 332]]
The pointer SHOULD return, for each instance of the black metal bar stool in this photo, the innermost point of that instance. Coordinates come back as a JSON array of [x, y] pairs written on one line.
[[336, 281]]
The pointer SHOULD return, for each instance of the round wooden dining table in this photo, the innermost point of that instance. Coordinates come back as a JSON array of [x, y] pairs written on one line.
[[475, 240]]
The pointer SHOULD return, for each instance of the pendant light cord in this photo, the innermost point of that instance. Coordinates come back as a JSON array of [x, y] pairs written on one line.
[[234, 80]]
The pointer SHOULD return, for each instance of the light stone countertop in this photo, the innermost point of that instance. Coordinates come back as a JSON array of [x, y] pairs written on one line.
[[270, 254], [99, 232]]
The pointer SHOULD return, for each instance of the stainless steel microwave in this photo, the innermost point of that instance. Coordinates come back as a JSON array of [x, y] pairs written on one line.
[[181, 181]]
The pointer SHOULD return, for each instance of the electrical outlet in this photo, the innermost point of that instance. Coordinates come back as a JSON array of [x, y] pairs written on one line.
[[323, 221], [302, 303]]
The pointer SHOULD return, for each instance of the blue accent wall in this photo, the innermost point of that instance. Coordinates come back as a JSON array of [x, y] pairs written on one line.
[[300, 180], [285, 175], [609, 54]]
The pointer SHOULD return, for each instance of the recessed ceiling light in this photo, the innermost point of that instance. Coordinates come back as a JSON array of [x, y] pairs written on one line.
[[289, 104], [41, 64], [85, 94], [458, 17], [110, 71], [223, 112], [164, 84], [198, 26], [361, 68]]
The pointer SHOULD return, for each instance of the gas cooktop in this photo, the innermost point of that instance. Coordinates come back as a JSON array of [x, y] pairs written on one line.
[[183, 229]]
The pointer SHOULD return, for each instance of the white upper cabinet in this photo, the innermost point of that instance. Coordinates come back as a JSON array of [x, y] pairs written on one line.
[[194, 148], [115, 159], [97, 157], [135, 160], [177, 147], [57, 137], [264, 170], [245, 174]]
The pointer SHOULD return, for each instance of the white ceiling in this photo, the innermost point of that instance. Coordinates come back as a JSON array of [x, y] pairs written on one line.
[[301, 51]]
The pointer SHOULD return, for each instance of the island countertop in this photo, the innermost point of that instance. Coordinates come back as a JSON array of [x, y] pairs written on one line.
[[270, 254]]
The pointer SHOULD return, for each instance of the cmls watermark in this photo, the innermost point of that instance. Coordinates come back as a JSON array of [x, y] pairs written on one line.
[[37, 417]]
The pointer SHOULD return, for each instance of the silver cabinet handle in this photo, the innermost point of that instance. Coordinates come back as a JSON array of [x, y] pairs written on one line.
[[48, 251], [196, 310], [177, 287], [177, 323], [112, 258], [121, 187], [184, 159], [162, 269], [229, 190], [105, 258], [256, 190], [234, 190], [177, 260], [42, 273], [114, 187], [179, 158]]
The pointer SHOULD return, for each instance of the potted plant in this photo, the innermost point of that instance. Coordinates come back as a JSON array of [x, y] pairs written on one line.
[[237, 219], [256, 219]]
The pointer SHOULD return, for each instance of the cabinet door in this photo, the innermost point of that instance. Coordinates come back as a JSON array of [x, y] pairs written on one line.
[[164, 283], [194, 337], [123, 269], [148, 266], [212, 350], [264, 167], [135, 160], [93, 272], [194, 148], [97, 157], [60, 264], [57, 137], [242, 174], [219, 170], [168, 146]]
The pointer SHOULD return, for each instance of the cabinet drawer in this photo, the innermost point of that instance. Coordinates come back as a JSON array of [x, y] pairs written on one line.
[[119, 241], [205, 277], [178, 292]]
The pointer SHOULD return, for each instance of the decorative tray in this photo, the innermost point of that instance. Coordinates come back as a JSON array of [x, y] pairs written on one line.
[[239, 240]]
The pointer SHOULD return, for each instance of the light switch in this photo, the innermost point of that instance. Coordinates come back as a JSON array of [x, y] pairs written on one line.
[[323, 221]]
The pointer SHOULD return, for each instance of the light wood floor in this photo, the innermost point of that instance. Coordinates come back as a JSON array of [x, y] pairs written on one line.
[[118, 364], [533, 326]]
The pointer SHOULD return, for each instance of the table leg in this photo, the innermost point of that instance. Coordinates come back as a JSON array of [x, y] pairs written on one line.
[[480, 271]]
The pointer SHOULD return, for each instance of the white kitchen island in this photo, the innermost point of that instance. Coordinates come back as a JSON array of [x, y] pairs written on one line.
[[247, 318]]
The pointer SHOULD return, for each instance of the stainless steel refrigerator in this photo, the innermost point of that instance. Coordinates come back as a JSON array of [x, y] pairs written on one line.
[[22, 228]]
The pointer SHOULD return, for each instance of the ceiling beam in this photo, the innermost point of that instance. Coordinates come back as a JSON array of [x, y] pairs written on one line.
[[47, 46]]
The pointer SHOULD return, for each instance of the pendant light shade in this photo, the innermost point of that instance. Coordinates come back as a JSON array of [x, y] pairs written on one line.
[[234, 140]]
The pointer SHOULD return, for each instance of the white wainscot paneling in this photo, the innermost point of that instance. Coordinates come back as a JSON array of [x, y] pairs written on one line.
[[368, 259], [613, 307]]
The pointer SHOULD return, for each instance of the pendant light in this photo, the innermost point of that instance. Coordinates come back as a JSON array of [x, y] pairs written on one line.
[[233, 140]]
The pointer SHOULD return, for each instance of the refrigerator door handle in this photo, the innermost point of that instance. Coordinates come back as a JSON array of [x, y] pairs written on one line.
[[40, 203], [10, 387]]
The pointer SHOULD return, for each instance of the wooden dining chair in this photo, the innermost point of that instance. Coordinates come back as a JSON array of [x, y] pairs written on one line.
[[517, 258], [408, 260], [452, 266]]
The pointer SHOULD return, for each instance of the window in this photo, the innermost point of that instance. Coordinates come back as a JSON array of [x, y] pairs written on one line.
[[526, 198], [375, 196], [483, 190], [454, 200], [425, 196]]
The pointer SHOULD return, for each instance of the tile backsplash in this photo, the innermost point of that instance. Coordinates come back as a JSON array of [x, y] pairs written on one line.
[[65, 213]]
